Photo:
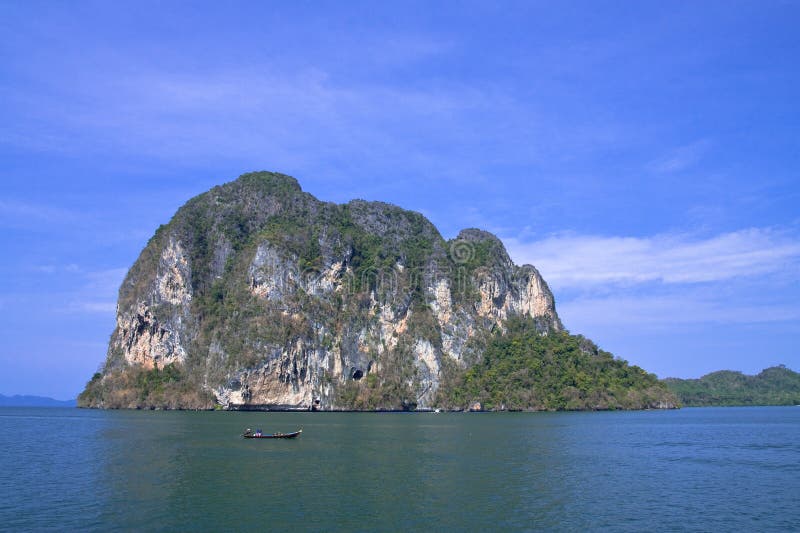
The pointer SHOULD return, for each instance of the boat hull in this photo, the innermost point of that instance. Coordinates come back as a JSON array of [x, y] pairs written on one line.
[[274, 435]]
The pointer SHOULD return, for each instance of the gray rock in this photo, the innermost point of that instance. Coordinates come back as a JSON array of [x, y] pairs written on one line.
[[269, 298]]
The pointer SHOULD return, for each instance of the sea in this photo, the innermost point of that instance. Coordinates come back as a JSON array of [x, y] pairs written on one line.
[[700, 469]]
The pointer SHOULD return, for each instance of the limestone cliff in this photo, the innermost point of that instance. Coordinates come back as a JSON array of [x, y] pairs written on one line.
[[266, 297]]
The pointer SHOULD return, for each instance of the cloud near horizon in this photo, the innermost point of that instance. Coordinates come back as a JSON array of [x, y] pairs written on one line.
[[585, 261], [679, 309], [667, 280]]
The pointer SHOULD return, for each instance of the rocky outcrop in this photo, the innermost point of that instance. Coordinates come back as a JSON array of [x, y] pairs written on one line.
[[269, 298], [153, 332]]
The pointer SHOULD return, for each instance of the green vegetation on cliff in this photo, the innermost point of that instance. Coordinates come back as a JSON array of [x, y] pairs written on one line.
[[138, 388], [522, 369], [773, 386]]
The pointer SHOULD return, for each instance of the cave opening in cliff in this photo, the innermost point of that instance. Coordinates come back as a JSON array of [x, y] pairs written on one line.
[[358, 374]]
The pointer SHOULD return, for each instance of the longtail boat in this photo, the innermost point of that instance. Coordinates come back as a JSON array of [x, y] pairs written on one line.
[[273, 435]]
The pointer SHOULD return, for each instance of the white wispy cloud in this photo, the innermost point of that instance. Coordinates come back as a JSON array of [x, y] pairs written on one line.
[[680, 158], [104, 308], [302, 119], [241, 113], [571, 260], [69, 288], [70, 268], [21, 212], [98, 292], [681, 308], [105, 281], [668, 280]]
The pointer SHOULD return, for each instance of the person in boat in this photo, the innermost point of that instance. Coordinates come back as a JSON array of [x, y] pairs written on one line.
[[258, 432]]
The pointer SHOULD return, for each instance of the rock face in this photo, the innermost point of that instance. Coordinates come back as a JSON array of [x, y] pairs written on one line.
[[270, 298]]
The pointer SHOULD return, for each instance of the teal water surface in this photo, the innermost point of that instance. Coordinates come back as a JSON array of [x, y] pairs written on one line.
[[693, 469]]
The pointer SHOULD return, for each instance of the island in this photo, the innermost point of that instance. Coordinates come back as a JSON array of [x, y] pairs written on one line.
[[777, 385], [257, 295]]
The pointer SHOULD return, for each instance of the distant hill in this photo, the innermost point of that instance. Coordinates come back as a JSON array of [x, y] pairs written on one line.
[[33, 401], [777, 385]]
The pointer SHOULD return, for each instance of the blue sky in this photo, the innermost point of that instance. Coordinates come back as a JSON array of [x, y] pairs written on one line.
[[645, 156]]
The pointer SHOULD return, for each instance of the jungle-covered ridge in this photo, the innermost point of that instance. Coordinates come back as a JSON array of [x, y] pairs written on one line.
[[776, 385]]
